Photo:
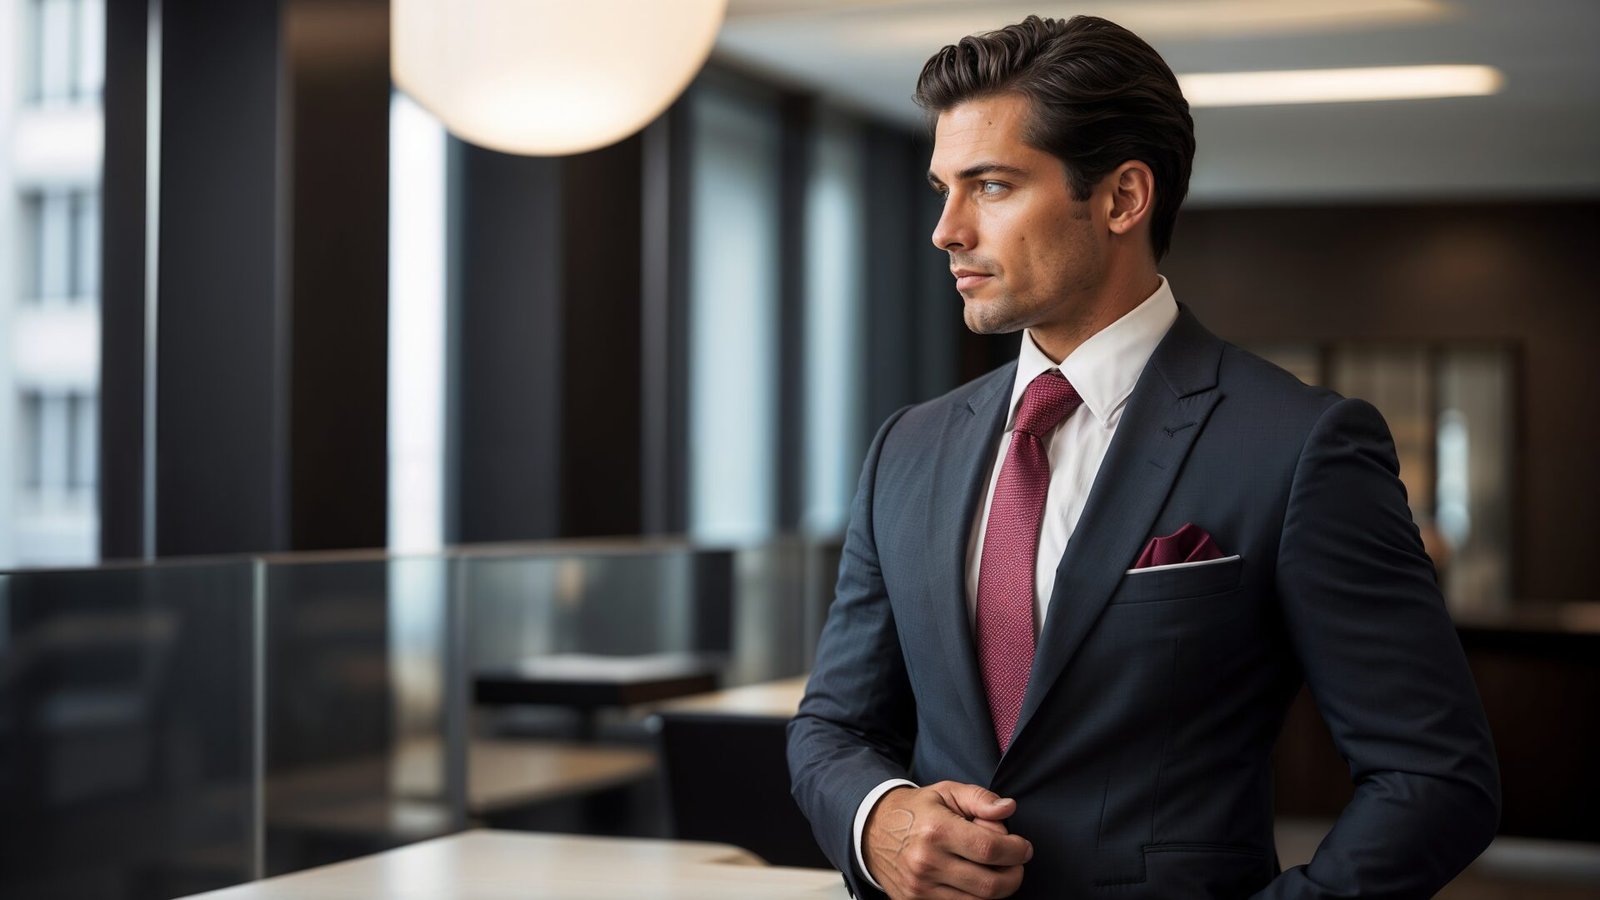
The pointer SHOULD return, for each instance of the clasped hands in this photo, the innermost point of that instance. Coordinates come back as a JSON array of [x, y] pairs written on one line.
[[946, 841]]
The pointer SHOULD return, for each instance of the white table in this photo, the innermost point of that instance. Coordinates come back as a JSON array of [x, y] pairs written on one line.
[[769, 700], [510, 865]]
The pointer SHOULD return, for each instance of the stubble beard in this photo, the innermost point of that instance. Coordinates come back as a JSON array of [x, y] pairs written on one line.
[[999, 315]]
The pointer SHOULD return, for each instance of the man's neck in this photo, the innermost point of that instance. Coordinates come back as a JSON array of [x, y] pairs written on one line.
[[1119, 297]]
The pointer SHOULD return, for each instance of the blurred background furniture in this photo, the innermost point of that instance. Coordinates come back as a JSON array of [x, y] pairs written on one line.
[[727, 774]]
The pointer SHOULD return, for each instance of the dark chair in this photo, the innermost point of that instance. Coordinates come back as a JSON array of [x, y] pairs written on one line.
[[727, 779]]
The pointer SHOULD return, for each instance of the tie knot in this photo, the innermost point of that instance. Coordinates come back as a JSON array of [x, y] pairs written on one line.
[[1046, 401]]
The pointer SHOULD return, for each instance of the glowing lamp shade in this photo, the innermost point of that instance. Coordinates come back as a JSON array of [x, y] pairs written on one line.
[[549, 77]]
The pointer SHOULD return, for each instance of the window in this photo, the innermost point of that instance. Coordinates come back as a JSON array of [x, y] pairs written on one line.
[[61, 234], [31, 431], [66, 45], [418, 323], [82, 452], [49, 295], [59, 456], [835, 326], [734, 264]]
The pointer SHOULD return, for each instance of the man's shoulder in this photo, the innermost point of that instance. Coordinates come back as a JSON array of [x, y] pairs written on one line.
[[1243, 373], [920, 418], [1257, 395]]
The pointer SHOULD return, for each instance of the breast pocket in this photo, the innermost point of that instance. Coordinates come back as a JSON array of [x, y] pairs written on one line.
[[1181, 582]]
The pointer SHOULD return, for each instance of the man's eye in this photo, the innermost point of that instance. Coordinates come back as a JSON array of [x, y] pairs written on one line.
[[992, 187]]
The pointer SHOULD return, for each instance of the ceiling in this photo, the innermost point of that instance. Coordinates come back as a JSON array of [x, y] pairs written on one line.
[[1538, 137]]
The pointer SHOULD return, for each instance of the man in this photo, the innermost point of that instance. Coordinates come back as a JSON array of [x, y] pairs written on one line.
[[1079, 593]]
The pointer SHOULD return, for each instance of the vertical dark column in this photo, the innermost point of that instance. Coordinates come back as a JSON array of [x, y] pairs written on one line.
[[506, 260], [550, 348], [935, 305], [794, 168], [891, 364], [601, 377], [338, 122], [664, 301], [270, 300], [914, 327], [122, 260], [221, 463]]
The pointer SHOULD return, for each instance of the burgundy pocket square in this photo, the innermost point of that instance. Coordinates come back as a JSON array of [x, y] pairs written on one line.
[[1187, 544]]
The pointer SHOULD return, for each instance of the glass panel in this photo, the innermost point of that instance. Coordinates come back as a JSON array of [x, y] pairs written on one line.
[[54, 243], [86, 450], [834, 303], [91, 49], [126, 706], [30, 247], [617, 603], [31, 434], [56, 50], [770, 611], [429, 713], [562, 648], [53, 450], [334, 703], [733, 300], [1476, 394], [85, 247], [32, 51]]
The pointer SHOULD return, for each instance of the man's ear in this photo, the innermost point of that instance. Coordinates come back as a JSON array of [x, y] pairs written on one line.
[[1133, 197]]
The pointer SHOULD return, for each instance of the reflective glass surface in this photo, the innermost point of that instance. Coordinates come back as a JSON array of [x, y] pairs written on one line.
[[126, 723]]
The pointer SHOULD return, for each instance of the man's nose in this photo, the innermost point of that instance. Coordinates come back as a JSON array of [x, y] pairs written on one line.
[[954, 229]]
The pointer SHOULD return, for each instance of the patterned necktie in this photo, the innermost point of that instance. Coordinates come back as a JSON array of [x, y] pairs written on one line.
[[1011, 549]]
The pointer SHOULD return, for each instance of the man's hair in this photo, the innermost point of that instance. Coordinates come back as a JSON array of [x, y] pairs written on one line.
[[1099, 96]]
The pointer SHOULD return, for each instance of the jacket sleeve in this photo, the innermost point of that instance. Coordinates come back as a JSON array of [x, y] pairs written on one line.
[[1362, 607], [857, 722]]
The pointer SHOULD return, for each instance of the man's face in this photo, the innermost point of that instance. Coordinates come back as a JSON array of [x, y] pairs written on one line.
[[1024, 252]]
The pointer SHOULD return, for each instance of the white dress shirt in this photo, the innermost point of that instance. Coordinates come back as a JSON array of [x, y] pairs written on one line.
[[1104, 370]]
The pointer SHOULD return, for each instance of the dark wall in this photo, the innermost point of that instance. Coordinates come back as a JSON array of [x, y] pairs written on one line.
[[506, 345], [338, 361], [269, 307], [1517, 272], [600, 441]]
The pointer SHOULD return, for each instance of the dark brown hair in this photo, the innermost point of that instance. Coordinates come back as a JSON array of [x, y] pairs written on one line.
[[1099, 95]]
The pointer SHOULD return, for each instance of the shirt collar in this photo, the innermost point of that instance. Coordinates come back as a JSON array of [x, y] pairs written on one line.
[[1104, 368]]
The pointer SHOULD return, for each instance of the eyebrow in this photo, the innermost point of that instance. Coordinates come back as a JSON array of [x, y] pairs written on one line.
[[983, 168]]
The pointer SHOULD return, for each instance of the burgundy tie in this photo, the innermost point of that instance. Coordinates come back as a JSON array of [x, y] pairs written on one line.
[[1011, 548]]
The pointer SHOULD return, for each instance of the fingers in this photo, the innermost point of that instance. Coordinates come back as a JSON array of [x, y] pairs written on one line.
[[991, 825], [946, 840], [982, 881], [981, 844], [945, 892], [975, 802], [927, 871]]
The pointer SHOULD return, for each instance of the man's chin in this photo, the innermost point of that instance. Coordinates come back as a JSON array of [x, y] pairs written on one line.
[[982, 318]]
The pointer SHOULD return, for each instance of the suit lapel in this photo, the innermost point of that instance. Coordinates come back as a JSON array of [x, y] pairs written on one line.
[[1167, 410], [960, 474]]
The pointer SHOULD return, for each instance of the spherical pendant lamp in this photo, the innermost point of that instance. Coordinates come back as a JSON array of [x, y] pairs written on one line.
[[549, 77]]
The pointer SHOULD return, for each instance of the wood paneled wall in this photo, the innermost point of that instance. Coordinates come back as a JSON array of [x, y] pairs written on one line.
[[1507, 272]]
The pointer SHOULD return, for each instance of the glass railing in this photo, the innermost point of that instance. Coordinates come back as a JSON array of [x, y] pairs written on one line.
[[130, 715], [175, 727]]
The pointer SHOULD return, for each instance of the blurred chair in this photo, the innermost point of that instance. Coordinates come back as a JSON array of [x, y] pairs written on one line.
[[727, 774]]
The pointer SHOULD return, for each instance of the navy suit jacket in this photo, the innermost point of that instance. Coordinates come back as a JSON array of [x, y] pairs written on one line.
[[1141, 761]]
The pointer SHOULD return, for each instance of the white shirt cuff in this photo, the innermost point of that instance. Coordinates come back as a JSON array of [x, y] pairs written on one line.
[[864, 810]]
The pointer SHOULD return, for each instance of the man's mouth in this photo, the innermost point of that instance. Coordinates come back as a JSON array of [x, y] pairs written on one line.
[[967, 279]]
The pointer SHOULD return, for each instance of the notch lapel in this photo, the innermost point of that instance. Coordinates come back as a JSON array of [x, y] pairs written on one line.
[[960, 474], [1166, 412]]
